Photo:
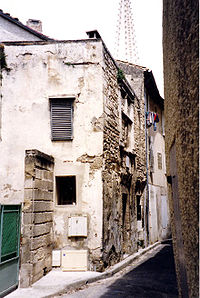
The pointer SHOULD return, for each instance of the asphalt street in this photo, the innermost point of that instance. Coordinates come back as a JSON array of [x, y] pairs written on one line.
[[152, 275]]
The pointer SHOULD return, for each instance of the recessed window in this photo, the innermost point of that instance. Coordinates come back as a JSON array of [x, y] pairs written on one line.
[[66, 190], [61, 119], [126, 129]]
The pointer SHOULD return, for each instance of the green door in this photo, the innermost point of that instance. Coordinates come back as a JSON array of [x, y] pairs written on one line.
[[9, 247]]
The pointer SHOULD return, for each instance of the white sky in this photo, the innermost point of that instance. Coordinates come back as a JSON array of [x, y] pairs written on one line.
[[70, 19]]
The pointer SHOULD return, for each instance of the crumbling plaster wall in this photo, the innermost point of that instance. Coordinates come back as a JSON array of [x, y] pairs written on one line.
[[181, 77], [135, 77], [157, 178], [112, 234], [38, 72], [120, 238]]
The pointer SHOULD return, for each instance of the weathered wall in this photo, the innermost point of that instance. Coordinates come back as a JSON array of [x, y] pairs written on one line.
[[121, 181], [135, 77], [38, 72], [180, 46], [158, 228], [37, 218], [112, 234], [157, 177]]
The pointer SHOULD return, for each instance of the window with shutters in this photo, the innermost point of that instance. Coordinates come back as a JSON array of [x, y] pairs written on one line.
[[61, 119]]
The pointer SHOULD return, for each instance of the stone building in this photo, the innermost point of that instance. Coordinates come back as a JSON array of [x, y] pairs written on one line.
[[181, 78], [72, 156], [155, 219]]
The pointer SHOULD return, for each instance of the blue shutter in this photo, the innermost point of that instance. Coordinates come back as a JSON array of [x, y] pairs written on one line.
[[61, 119]]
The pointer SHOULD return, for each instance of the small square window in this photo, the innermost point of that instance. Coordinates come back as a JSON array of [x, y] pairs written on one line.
[[66, 190]]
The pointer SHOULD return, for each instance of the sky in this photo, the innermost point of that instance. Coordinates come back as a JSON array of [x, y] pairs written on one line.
[[70, 19]]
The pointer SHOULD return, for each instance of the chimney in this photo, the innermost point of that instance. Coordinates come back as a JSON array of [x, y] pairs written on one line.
[[35, 25], [93, 34]]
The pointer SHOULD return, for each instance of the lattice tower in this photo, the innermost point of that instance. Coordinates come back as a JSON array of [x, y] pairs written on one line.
[[125, 45]]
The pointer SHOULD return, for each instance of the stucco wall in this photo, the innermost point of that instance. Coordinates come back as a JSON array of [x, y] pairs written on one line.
[[159, 217], [39, 72], [180, 44]]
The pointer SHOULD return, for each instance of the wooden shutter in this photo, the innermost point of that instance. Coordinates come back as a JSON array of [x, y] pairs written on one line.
[[61, 119]]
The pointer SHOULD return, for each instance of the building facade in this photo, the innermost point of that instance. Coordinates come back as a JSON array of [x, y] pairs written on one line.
[[72, 155], [155, 220], [181, 78]]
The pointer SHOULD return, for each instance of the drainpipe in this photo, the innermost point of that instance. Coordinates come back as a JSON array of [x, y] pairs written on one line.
[[146, 198]]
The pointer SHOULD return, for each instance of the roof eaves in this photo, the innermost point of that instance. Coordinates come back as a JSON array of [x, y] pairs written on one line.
[[152, 88], [144, 68], [46, 42], [124, 85]]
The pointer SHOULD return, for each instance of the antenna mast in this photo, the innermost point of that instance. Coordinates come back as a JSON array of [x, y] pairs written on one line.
[[126, 48]]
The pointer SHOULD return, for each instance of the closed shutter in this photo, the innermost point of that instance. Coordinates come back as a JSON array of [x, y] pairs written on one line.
[[61, 119]]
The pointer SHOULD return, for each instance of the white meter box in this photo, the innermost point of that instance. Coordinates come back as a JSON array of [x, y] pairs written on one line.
[[74, 260], [56, 256], [77, 226]]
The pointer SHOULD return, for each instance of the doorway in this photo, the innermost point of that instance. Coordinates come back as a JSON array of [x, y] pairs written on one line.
[[10, 216]]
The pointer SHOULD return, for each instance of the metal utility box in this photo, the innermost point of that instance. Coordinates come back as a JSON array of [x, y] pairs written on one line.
[[77, 226], [56, 258], [74, 260]]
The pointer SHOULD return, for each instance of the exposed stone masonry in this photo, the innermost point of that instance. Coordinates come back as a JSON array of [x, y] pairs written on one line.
[[37, 217], [119, 182], [135, 78], [112, 235]]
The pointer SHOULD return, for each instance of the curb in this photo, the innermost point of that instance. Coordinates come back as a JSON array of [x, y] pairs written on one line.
[[110, 272]]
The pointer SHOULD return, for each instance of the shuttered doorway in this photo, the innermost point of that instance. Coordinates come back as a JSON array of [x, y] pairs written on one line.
[[9, 247]]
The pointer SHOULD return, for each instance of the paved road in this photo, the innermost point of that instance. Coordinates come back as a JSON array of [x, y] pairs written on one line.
[[151, 276]]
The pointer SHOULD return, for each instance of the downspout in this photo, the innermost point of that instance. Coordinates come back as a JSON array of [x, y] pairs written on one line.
[[146, 198]]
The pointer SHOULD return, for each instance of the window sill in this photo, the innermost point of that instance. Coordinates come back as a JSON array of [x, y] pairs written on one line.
[[62, 140], [66, 206]]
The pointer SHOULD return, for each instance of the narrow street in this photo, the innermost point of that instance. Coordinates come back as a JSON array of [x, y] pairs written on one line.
[[152, 275]]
